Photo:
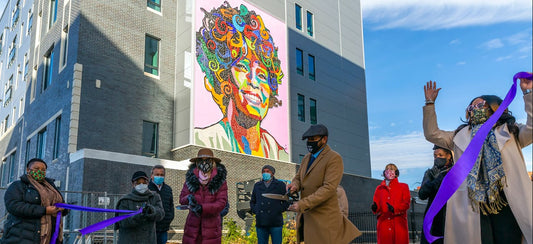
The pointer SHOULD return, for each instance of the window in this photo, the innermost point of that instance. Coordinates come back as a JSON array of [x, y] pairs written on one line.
[[52, 13], [1, 44], [154, 4], [301, 157], [30, 22], [8, 168], [21, 106], [41, 143], [64, 46], [48, 65], [56, 137], [151, 55], [301, 108], [6, 123], [309, 23], [311, 62], [26, 67], [298, 16], [16, 13], [8, 91], [299, 62], [150, 139], [27, 156], [312, 111], [13, 51]]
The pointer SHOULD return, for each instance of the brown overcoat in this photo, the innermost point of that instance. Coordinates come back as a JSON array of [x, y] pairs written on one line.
[[323, 221]]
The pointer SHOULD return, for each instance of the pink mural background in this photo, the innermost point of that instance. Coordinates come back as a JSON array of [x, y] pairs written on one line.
[[207, 112]]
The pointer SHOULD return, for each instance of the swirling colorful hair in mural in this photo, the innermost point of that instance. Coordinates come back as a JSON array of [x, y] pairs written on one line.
[[226, 35]]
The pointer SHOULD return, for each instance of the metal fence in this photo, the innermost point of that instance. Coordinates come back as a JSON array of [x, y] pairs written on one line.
[[76, 220]]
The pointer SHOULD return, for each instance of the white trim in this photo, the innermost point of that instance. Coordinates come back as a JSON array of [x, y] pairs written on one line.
[[155, 11], [44, 124], [128, 158], [6, 155]]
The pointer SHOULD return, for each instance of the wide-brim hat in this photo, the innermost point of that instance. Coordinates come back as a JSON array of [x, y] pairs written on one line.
[[315, 130], [205, 153]]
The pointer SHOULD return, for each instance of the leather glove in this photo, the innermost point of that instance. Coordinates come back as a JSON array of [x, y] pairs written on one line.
[[391, 208], [192, 200], [197, 209], [434, 172], [149, 209], [374, 207]]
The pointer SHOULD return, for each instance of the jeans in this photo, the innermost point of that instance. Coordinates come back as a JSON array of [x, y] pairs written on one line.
[[162, 237], [264, 232]]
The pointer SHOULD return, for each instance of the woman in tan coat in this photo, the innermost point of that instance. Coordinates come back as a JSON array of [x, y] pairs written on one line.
[[495, 209]]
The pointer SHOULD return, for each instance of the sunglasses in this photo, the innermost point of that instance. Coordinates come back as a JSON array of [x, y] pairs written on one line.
[[479, 105]]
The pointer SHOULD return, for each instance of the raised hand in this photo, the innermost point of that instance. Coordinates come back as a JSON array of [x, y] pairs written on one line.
[[431, 91], [526, 84]]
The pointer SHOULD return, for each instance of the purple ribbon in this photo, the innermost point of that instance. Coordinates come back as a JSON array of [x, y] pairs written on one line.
[[462, 167], [94, 227]]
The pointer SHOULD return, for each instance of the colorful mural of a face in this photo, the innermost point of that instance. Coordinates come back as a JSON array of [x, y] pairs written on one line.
[[237, 54], [242, 71]]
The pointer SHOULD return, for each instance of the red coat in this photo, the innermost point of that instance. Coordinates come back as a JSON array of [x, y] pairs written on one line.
[[207, 228], [392, 227]]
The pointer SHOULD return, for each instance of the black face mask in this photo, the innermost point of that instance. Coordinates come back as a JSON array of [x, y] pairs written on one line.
[[312, 146], [440, 162]]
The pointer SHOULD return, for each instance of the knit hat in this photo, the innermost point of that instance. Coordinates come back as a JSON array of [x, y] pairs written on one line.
[[270, 168]]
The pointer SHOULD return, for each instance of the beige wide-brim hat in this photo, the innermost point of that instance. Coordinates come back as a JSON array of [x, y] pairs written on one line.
[[205, 153]]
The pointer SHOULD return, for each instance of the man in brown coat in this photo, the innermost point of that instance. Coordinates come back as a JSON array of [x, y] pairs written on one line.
[[319, 217]]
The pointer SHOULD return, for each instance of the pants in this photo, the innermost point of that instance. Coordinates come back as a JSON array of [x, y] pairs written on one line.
[[264, 232], [500, 228], [162, 237]]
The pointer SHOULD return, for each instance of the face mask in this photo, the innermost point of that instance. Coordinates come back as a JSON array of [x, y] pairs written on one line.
[[312, 146], [141, 188], [478, 116], [205, 166], [158, 180], [38, 175], [390, 174], [440, 162], [266, 176]]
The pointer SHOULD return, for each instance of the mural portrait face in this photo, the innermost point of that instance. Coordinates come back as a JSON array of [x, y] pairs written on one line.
[[242, 71]]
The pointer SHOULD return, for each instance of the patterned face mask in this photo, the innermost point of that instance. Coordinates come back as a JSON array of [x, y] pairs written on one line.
[[205, 165], [38, 175], [478, 116]]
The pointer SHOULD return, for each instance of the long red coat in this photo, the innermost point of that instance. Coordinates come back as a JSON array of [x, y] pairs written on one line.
[[206, 228], [392, 227]]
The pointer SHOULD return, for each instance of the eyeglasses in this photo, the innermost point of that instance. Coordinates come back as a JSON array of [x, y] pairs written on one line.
[[479, 105], [207, 160]]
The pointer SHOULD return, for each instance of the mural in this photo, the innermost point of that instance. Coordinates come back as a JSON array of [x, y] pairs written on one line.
[[239, 87]]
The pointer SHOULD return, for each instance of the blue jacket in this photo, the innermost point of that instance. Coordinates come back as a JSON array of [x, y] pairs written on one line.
[[268, 212]]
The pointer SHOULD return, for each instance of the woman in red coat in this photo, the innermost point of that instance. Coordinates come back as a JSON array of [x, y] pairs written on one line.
[[391, 202], [206, 192]]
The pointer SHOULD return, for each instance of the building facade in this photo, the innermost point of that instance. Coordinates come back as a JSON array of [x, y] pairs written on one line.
[[111, 87]]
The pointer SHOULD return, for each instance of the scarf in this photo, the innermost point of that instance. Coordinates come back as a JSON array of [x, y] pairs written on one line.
[[486, 179], [49, 196]]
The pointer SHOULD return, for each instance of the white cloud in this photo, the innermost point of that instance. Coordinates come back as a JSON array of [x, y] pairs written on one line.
[[492, 44], [443, 14], [461, 63], [392, 124], [499, 59], [455, 42]]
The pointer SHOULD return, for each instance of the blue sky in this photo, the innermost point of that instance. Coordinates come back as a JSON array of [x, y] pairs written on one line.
[[470, 48]]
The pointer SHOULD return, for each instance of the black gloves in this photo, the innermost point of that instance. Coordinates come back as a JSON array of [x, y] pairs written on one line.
[[194, 206], [148, 210], [374, 207], [434, 172], [391, 208]]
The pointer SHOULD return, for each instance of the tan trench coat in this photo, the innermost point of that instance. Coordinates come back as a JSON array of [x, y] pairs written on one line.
[[462, 223], [323, 221]]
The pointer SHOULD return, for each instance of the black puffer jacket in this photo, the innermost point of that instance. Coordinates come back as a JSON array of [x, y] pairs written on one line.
[[167, 199], [23, 203], [268, 212], [139, 228]]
